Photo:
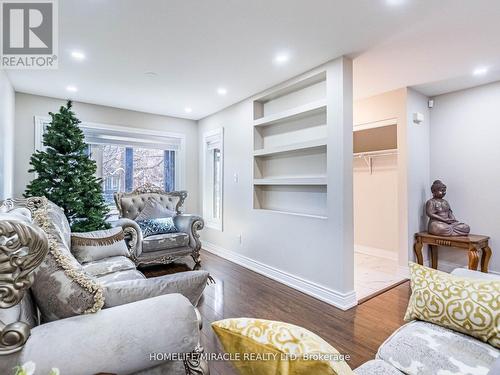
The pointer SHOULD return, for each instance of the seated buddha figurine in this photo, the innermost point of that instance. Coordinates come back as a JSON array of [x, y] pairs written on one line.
[[442, 222]]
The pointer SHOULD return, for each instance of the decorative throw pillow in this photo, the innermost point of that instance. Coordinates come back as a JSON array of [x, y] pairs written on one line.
[[61, 287], [265, 347], [100, 244], [470, 306], [153, 209], [151, 227]]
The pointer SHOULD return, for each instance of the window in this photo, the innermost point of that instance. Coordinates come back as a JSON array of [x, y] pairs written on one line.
[[127, 158], [213, 166], [126, 168]]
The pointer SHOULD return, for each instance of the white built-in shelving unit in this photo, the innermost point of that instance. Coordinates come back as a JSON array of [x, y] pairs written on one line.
[[290, 149]]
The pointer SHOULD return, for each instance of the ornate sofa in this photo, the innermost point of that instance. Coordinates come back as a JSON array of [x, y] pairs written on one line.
[[57, 313], [161, 248], [421, 348]]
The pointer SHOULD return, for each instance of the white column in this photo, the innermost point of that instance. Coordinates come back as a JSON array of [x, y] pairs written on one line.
[[339, 159]]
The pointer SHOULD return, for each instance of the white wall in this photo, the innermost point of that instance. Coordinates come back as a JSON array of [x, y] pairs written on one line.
[[393, 218], [465, 154], [7, 98], [418, 146], [310, 252], [376, 211], [27, 106]]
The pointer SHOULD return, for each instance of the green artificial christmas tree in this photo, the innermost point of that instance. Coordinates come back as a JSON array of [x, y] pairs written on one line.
[[66, 174]]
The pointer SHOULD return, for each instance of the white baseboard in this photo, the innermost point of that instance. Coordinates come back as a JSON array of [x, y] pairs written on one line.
[[343, 301], [442, 266], [449, 266], [381, 253]]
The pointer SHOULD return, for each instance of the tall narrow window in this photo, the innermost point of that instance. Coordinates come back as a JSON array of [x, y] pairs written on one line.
[[213, 183]]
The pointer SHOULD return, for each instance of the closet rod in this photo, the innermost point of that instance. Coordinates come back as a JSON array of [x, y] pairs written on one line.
[[369, 155]]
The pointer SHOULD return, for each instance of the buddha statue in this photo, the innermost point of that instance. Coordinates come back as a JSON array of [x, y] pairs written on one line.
[[442, 222]]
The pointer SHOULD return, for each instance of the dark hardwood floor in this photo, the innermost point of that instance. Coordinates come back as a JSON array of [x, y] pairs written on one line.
[[239, 292]]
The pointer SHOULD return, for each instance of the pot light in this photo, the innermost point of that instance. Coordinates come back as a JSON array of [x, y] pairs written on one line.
[[71, 88], [221, 91], [395, 2], [78, 55], [480, 71], [281, 58], [188, 109]]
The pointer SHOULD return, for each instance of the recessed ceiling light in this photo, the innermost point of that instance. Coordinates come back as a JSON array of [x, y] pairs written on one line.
[[71, 88], [221, 91], [395, 2], [78, 55], [480, 71], [188, 109], [281, 58]]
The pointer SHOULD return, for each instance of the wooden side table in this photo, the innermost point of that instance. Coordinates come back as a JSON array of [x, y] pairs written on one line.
[[473, 243]]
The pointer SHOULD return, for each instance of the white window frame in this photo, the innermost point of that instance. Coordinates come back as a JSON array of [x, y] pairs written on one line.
[[162, 139], [209, 137]]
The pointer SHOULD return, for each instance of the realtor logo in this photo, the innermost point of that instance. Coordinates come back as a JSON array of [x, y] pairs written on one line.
[[28, 34]]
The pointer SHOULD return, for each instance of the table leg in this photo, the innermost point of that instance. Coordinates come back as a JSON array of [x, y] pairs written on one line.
[[434, 256], [485, 258], [417, 247], [473, 258]]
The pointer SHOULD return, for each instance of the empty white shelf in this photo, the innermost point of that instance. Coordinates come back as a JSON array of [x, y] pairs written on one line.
[[293, 113], [293, 147], [313, 216], [306, 180]]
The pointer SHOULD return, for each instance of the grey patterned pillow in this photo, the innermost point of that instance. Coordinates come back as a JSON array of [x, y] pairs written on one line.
[[153, 209], [100, 244], [61, 287], [157, 226]]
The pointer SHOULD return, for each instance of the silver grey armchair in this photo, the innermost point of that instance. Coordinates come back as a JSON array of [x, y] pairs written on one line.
[[161, 248]]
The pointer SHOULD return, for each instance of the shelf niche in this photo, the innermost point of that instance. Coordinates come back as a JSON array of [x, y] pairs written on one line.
[[290, 149]]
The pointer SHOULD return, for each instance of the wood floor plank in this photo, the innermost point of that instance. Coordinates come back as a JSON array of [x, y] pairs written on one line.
[[239, 292]]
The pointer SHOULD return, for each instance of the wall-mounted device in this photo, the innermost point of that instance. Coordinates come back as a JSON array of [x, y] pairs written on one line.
[[418, 118], [430, 103]]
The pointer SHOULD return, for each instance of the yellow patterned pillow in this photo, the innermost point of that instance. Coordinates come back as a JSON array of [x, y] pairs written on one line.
[[264, 347], [470, 306]]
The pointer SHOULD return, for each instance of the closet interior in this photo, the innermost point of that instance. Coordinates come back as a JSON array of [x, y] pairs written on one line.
[[376, 211]]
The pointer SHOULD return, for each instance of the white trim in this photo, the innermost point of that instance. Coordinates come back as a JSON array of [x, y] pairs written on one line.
[[343, 301], [449, 266], [381, 253], [180, 161], [208, 138], [442, 266], [375, 124]]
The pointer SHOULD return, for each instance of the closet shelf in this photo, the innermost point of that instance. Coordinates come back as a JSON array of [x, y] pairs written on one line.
[[305, 180], [293, 113], [293, 147]]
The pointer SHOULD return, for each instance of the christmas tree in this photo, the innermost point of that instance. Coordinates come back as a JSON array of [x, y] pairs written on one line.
[[66, 173]]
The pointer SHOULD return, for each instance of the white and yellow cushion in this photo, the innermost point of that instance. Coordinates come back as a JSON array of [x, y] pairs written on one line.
[[265, 347], [470, 306]]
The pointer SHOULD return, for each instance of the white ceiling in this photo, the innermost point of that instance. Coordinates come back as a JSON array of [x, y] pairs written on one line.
[[196, 46]]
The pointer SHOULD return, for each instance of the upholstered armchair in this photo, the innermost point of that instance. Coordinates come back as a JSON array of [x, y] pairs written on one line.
[[160, 248], [59, 313]]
